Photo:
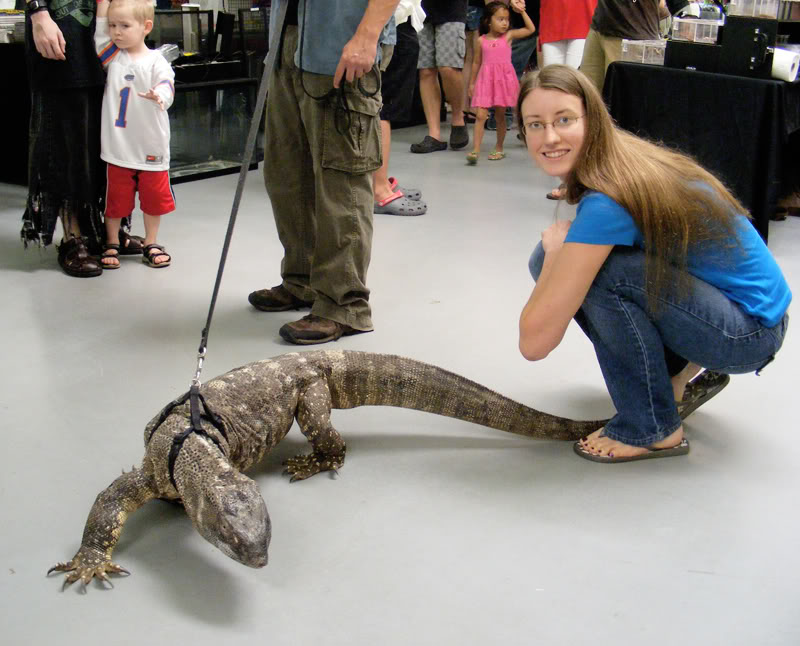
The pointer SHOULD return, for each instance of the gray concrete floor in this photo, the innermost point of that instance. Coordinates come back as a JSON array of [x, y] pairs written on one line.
[[436, 532]]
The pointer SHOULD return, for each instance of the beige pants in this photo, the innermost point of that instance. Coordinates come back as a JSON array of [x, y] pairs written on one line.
[[318, 164], [598, 53]]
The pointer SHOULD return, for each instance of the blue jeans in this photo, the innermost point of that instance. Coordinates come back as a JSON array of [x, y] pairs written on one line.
[[521, 52], [638, 350]]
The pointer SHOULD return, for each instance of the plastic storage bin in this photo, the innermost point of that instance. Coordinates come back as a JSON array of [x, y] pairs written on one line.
[[644, 51], [754, 8], [696, 31]]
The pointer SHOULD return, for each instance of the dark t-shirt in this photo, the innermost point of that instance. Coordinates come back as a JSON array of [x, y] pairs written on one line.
[[438, 12], [634, 19], [75, 19]]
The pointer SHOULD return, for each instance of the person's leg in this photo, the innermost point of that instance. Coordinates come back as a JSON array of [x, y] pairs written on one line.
[[471, 43], [156, 199], [380, 178], [521, 51], [612, 51], [481, 115], [450, 43], [66, 177], [431, 101], [120, 196], [593, 62], [554, 53], [289, 176], [429, 81], [574, 52], [153, 252], [450, 49], [632, 343], [452, 83], [342, 166], [501, 129]]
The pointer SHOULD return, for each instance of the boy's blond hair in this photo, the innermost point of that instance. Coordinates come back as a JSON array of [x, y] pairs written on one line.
[[142, 10]]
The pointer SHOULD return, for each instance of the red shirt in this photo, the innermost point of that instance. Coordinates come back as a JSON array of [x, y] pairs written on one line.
[[565, 19]]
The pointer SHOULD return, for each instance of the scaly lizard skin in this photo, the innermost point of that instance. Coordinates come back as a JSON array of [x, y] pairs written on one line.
[[257, 405]]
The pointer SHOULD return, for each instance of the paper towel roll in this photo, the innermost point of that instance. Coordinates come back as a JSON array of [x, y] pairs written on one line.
[[785, 65]]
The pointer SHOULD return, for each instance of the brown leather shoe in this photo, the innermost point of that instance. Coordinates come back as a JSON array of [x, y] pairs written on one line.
[[313, 329], [74, 259], [276, 299]]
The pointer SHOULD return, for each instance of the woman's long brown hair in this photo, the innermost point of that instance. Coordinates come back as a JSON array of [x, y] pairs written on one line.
[[677, 204]]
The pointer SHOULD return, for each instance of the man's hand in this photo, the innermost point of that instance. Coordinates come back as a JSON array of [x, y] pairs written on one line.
[[47, 37], [152, 95], [553, 236], [358, 57]]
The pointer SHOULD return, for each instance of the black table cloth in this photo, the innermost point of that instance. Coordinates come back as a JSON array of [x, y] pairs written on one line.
[[739, 128]]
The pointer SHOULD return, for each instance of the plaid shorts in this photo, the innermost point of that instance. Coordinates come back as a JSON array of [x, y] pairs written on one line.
[[442, 45]]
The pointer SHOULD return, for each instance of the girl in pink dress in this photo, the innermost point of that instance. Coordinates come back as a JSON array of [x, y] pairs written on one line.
[[493, 83]]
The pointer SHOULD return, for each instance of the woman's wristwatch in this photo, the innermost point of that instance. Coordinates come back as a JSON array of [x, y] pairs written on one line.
[[34, 6]]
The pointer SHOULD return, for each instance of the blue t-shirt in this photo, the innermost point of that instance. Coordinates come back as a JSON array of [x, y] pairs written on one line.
[[747, 273]]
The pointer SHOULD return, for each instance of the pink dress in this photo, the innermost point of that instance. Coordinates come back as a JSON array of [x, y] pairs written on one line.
[[497, 82]]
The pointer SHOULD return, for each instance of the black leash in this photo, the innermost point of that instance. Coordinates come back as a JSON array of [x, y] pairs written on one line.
[[194, 396]]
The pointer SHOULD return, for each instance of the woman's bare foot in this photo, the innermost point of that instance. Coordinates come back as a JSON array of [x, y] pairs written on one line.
[[680, 380], [598, 444]]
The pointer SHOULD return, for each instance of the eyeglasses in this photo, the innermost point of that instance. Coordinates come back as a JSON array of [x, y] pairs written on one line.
[[561, 124]]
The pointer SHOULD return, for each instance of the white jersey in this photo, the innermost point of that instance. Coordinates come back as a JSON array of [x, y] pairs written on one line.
[[135, 131]]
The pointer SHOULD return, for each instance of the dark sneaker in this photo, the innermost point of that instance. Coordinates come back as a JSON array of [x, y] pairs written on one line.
[[428, 145], [459, 137], [276, 299], [74, 259], [313, 329]]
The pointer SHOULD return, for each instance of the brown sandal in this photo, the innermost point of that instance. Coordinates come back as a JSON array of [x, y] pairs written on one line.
[[107, 254], [74, 259], [153, 251]]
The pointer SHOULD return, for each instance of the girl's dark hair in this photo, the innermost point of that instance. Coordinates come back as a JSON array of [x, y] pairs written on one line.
[[488, 11]]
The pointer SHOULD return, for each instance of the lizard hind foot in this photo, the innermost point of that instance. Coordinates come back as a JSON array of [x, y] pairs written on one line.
[[301, 467], [85, 566]]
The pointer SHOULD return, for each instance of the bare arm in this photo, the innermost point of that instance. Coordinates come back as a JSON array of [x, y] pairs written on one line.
[[358, 55], [477, 59], [567, 274], [528, 29], [47, 37]]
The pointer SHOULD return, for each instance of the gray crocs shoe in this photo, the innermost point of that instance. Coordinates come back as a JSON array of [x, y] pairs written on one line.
[[411, 193], [401, 206]]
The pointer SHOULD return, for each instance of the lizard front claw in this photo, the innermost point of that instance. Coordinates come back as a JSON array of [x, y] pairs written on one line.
[[301, 467], [86, 565]]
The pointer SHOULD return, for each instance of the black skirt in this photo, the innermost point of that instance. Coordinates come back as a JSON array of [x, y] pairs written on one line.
[[65, 172]]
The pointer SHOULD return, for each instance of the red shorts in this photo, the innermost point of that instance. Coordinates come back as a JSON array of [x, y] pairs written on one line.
[[155, 193]]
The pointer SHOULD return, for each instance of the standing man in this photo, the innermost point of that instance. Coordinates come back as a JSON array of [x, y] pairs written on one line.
[[442, 44], [614, 20], [322, 145]]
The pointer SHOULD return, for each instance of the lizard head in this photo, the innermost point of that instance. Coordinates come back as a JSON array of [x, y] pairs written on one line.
[[225, 506]]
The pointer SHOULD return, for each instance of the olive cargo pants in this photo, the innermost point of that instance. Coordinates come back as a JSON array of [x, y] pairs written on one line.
[[318, 164]]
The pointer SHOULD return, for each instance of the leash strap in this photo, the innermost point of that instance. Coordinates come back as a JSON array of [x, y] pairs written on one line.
[[194, 396], [258, 113]]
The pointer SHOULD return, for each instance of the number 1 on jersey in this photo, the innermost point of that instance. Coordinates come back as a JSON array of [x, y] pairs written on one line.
[[123, 107]]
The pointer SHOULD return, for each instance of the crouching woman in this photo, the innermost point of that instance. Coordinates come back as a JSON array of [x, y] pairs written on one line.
[[661, 268]]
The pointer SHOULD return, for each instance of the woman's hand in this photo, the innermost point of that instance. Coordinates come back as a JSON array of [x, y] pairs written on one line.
[[554, 235], [47, 37]]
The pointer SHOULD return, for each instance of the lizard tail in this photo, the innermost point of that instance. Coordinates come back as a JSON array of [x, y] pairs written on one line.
[[388, 380]]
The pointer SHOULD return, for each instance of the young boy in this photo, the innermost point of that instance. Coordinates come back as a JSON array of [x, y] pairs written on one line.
[[134, 139]]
